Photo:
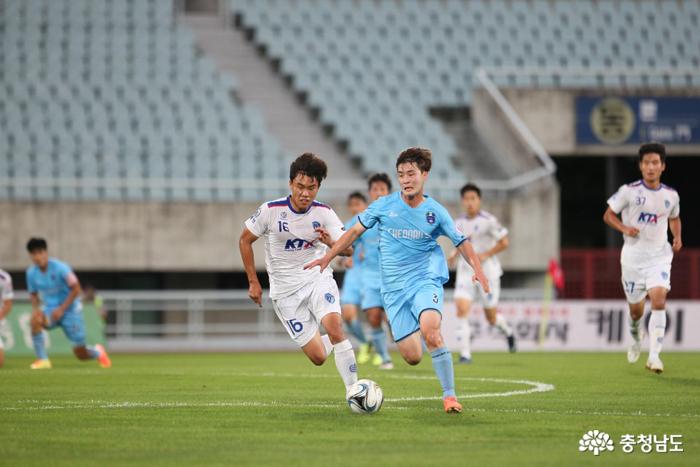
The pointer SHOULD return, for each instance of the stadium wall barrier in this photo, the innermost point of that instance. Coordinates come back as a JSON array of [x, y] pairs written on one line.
[[189, 236], [574, 325], [17, 337]]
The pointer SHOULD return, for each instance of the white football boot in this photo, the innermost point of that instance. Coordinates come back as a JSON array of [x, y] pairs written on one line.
[[634, 350], [655, 364]]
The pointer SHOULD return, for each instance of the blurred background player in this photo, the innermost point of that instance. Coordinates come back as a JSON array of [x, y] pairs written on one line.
[[351, 295], [6, 296], [648, 209], [489, 238], [55, 284], [413, 265], [298, 229], [378, 185]]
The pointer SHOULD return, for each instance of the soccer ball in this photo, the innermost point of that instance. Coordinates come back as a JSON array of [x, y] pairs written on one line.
[[365, 396]]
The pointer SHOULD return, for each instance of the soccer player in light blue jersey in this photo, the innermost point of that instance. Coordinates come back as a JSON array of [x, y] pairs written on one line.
[[55, 284], [372, 304], [351, 294], [413, 267]]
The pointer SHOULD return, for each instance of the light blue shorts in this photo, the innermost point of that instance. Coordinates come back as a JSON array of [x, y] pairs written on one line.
[[73, 326], [404, 307], [352, 287]]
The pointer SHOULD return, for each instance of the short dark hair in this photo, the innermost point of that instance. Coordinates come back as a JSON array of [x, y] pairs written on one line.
[[357, 195], [379, 177], [652, 148], [470, 187], [422, 157], [36, 244], [310, 165]]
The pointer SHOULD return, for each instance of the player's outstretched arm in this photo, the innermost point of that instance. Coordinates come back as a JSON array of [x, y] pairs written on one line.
[[674, 224], [325, 237], [614, 221], [340, 245], [75, 292], [245, 245], [470, 255], [36, 302]]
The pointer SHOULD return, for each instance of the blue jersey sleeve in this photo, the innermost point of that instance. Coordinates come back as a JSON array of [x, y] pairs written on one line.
[[448, 228], [371, 215], [66, 273]]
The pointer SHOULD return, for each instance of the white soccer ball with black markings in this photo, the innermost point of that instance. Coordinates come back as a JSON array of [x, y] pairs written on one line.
[[365, 397]]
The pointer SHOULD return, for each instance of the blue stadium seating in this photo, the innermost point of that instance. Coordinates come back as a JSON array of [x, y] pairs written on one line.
[[374, 69], [105, 91]]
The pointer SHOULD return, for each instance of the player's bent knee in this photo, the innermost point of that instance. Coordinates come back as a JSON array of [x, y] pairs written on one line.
[[81, 353], [412, 359], [317, 360], [433, 339], [374, 316], [335, 334]]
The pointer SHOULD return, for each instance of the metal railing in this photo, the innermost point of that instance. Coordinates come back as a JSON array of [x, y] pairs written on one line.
[[204, 320], [526, 136]]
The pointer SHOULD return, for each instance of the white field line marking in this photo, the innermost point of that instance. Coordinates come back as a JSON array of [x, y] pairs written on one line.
[[70, 405], [535, 386], [59, 405]]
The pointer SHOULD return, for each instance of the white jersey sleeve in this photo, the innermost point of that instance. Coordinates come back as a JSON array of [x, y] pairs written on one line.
[[334, 225], [619, 200], [675, 208], [6, 291], [258, 223]]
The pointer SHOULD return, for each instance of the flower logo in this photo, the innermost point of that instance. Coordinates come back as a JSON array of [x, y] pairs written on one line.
[[596, 441]]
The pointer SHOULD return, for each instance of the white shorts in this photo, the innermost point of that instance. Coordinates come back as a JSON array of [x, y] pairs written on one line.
[[467, 289], [637, 281], [301, 312]]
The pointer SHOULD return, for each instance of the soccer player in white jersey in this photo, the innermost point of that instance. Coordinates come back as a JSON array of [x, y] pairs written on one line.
[[648, 209], [413, 267], [6, 296], [489, 238], [298, 229]]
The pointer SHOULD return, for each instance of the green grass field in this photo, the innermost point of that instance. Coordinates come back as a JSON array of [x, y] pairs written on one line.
[[278, 409]]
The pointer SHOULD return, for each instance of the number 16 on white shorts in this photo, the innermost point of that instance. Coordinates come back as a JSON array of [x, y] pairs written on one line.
[[301, 312]]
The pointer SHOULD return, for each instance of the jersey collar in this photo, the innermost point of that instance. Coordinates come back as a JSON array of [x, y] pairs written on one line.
[[291, 208]]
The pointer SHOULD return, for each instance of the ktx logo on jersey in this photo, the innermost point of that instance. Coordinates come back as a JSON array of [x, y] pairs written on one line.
[[297, 244], [648, 218]]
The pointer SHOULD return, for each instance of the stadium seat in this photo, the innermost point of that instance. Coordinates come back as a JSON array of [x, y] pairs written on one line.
[[419, 50], [111, 90]]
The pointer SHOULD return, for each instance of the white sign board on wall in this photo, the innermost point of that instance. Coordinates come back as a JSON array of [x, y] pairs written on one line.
[[574, 325]]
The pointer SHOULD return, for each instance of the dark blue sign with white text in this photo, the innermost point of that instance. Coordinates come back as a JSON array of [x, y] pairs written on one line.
[[616, 120]]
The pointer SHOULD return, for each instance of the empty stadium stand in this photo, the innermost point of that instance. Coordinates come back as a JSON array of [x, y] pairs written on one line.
[[110, 100], [375, 69]]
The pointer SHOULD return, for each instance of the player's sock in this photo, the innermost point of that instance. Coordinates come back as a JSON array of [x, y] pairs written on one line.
[[380, 344], [327, 344], [345, 362], [464, 335], [442, 363], [657, 328], [39, 346], [634, 328], [92, 352], [355, 328], [502, 325]]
